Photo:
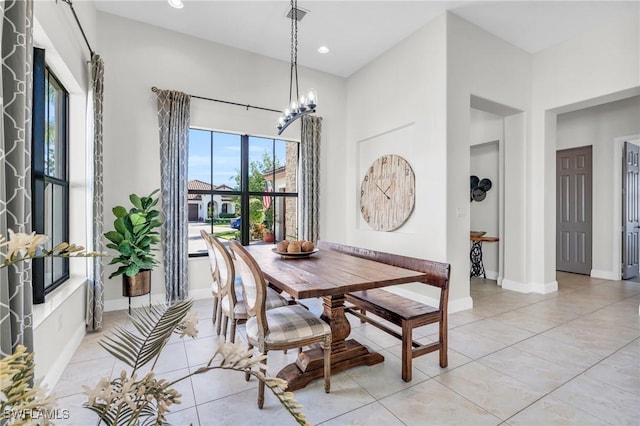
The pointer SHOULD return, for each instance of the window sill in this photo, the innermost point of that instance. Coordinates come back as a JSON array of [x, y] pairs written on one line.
[[56, 298]]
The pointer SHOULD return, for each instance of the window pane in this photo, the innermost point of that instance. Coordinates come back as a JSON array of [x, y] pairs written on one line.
[[199, 162], [55, 128], [213, 170], [54, 208], [215, 190]]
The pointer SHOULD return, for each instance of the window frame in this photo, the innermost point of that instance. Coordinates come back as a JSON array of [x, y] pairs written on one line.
[[40, 179], [244, 193]]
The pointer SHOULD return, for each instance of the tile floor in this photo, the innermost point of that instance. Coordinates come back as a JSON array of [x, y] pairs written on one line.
[[567, 358]]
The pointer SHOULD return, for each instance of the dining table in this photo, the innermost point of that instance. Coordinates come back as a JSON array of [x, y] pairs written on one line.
[[330, 275]]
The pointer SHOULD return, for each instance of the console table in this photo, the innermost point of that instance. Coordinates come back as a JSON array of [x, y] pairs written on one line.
[[477, 267]]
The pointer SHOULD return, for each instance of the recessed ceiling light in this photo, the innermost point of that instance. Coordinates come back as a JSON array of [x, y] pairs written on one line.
[[176, 3], [323, 49]]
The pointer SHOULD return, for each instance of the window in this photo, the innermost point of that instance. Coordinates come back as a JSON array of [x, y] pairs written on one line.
[[242, 187], [50, 182]]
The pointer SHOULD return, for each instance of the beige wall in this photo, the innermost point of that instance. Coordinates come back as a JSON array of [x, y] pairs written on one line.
[[600, 66], [170, 60], [404, 91]]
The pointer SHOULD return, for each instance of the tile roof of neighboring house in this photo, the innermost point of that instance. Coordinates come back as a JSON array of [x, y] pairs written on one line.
[[199, 185], [278, 171]]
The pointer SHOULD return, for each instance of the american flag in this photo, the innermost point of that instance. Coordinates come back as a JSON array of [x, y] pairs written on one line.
[[266, 199]]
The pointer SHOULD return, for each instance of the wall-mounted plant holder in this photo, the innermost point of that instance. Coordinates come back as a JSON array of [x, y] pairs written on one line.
[[479, 188]]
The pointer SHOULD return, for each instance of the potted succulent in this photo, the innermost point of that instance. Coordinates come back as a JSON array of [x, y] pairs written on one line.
[[135, 237]]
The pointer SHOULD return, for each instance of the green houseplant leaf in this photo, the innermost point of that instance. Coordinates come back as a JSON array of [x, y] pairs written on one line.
[[135, 235]]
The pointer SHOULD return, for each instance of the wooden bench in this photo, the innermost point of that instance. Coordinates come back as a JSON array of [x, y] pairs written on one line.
[[401, 311]]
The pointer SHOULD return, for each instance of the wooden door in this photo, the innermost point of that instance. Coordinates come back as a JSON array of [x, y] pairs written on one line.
[[630, 211], [573, 210]]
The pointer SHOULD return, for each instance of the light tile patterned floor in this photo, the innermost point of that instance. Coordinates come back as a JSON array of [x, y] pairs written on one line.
[[567, 358]]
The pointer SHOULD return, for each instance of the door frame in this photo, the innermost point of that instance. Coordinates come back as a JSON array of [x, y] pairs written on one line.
[[618, 145]]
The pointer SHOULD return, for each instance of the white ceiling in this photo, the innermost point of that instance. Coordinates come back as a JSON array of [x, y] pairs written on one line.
[[357, 31]]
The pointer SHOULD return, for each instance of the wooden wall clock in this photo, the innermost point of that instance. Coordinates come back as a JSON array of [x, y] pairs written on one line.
[[387, 193]]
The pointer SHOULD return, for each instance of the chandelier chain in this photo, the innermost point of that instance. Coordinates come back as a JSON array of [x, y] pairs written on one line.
[[293, 72], [298, 105]]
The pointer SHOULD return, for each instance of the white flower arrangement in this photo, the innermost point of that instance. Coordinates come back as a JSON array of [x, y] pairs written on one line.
[[128, 400], [21, 401], [22, 246]]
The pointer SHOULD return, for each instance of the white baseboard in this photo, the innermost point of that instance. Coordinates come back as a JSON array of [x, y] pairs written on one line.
[[606, 275], [72, 343], [122, 303], [518, 286], [491, 275], [541, 288], [201, 293], [458, 305], [544, 288]]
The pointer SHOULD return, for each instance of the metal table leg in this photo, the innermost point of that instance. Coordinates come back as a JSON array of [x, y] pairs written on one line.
[[477, 267]]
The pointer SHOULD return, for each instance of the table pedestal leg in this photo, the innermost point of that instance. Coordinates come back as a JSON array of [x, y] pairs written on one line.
[[344, 353]]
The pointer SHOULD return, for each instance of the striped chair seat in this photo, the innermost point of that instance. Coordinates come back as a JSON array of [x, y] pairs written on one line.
[[288, 323]]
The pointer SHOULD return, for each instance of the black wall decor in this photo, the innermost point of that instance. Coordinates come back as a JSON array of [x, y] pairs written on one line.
[[479, 188]]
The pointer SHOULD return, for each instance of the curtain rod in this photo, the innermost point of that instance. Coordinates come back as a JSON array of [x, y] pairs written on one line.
[[79, 26], [247, 106]]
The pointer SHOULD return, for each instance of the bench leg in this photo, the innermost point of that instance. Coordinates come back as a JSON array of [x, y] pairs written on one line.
[[444, 360], [407, 351]]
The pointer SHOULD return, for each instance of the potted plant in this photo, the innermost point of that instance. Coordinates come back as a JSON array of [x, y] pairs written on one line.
[[268, 235], [135, 238]]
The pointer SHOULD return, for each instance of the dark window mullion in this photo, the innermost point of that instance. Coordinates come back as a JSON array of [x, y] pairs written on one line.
[[244, 188], [49, 173]]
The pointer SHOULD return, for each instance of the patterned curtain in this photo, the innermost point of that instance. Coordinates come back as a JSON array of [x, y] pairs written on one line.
[[15, 168], [310, 180], [95, 293], [173, 119]]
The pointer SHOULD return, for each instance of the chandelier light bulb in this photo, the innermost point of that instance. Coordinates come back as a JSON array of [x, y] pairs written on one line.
[[302, 103], [294, 107], [287, 114], [312, 99]]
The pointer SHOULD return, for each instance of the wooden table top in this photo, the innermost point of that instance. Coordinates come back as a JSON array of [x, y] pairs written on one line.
[[327, 273], [485, 239]]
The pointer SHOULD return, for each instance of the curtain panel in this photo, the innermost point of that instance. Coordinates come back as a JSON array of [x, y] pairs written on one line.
[[173, 120], [15, 169], [95, 291], [310, 179]]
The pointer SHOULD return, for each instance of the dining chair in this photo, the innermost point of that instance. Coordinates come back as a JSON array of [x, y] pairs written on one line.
[[286, 327], [216, 286], [231, 307]]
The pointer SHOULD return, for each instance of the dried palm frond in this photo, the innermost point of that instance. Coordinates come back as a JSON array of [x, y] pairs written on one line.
[[155, 324], [127, 400]]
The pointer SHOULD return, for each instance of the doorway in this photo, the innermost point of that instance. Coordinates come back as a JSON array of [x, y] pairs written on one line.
[[630, 211], [573, 210]]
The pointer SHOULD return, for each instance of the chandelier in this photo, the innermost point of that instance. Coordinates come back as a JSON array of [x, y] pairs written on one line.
[[298, 105]]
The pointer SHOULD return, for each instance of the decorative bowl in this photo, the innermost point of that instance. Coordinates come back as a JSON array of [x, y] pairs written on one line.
[[477, 233], [301, 255]]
